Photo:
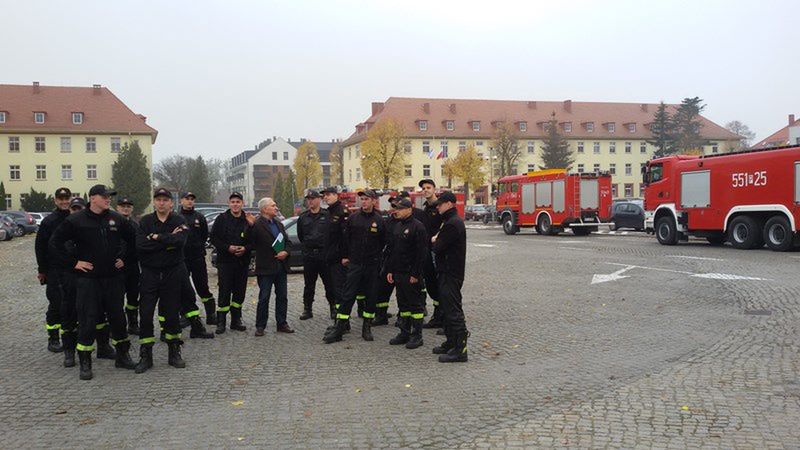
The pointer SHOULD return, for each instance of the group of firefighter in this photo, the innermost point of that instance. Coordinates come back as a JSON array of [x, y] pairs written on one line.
[[106, 274]]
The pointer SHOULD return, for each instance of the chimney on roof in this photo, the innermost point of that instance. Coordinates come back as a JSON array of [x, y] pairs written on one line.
[[452, 108], [791, 119], [96, 89], [377, 107], [426, 107], [568, 106], [35, 87], [644, 107], [532, 105]]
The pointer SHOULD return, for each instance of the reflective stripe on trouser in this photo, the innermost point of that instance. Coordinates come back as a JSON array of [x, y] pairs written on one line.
[[410, 299], [55, 326], [232, 285], [84, 348], [98, 299], [161, 288], [361, 279]]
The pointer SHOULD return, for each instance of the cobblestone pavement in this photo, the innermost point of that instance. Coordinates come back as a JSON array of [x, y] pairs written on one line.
[[686, 346]]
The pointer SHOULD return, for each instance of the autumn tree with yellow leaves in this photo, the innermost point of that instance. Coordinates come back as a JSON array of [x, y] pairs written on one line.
[[468, 168], [382, 154], [307, 167], [337, 165]]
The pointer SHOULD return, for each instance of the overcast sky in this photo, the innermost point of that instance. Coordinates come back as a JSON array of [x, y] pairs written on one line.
[[216, 78]]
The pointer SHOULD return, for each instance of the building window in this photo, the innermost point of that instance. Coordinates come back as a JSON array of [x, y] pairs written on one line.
[[13, 144], [612, 147], [628, 190], [476, 125], [23, 197], [423, 125], [478, 143], [523, 126], [275, 155], [614, 188], [531, 167], [407, 147], [596, 168], [568, 127], [40, 144], [580, 168], [408, 171], [444, 148], [41, 172], [38, 117], [590, 126], [628, 146], [596, 148], [426, 170], [632, 127], [358, 174], [580, 147], [531, 147], [66, 144], [286, 155], [116, 145], [612, 127], [628, 169], [14, 173], [426, 147], [643, 147], [641, 190], [450, 125], [462, 145], [77, 118], [612, 169], [2, 117], [714, 149], [66, 171], [8, 201], [91, 145], [91, 171]]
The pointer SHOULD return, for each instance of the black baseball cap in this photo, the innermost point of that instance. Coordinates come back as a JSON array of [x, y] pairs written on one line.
[[188, 194], [445, 197], [426, 181], [236, 195], [401, 203], [162, 192], [329, 190], [368, 193], [403, 194], [124, 201], [313, 194], [77, 201], [101, 189], [63, 192]]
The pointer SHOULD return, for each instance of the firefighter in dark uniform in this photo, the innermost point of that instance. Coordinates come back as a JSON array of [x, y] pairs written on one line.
[[101, 237], [196, 255], [125, 207], [333, 252], [406, 248], [69, 313], [229, 237], [450, 248], [364, 239], [432, 223], [312, 231], [51, 273], [160, 240], [384, 289]]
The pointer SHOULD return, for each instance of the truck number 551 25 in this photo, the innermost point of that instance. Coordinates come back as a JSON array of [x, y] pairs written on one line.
[[744, 179]]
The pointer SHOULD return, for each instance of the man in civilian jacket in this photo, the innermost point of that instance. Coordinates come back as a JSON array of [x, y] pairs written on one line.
[[269, 239]]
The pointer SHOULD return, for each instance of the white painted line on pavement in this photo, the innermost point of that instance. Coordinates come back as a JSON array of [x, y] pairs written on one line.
[[575, 248], [484, 245], [694, 257], [653, 268], [572, 242], [710, 276], [603, 278]]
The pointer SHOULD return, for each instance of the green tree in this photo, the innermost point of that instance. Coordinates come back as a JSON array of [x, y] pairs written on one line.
[[688, 125], [556, 153], [130, 176], [307, 167], [290, 194], [37, 201], [662, 131], [2, 196], [277, 194], [199, 181], [506, 147]]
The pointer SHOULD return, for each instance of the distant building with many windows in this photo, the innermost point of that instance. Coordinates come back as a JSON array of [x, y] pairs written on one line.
[[52, 136]]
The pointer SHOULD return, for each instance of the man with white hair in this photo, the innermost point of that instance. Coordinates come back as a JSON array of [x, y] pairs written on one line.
[[269, 239]]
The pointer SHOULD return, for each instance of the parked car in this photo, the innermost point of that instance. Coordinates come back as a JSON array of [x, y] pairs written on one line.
[[38, 217], [8, 226], [24, 221], [472, 212], [3, 234], [293, 247], [627, 215]]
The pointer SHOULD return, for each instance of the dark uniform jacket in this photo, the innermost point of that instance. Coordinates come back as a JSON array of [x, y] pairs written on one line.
[[312, 231], [131, 258], [451, 245], [432, 221], [406, 247], [167, 249], [364, 237], [338, 219], [44, 259], [261, 239], [229, 230], [99, 239], [198, 234]]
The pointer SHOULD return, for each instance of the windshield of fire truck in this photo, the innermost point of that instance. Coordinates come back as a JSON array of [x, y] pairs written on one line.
[[654, 173]]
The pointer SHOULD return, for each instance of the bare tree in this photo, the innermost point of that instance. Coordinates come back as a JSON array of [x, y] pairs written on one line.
[[173, 172], [743, 131], [506, 147]]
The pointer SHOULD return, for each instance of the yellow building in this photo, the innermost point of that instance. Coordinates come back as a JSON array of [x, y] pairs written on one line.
[[603, 137], [53, 136]]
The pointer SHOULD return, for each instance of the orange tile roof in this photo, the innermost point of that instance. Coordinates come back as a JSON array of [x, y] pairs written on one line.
[[437, 111], [103, 112], [778, 138]]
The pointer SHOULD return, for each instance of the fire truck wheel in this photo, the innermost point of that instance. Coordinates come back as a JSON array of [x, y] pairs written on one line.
[[543, 225], [508, 226], [778, 234], [744, 233], [666, 232]]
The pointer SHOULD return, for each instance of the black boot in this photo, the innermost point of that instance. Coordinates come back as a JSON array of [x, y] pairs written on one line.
[[448, 345], [123, 360], [221, 322], [104, 348], [211, 307], [175, 359], [183, 321], [459, 352], [85, 359], [336, 332], [307, 311], [360, 306], [236, 321], [416, 334], [381, 318], [133, 321], [404, 334], [69, 340], [198, 330], [145, 358], [333, 310], [366, 330], [54, 342], [436, 321]]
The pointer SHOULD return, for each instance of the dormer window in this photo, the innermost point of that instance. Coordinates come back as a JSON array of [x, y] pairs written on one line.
[[632, 128], [590, 126], [568, 127], [523, 126], [3, 117], [612, 127], [77, 118], [450, 125], [38, 117], [476, 125], [423, 125]]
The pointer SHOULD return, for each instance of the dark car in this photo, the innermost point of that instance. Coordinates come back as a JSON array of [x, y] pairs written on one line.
[[627, 215], [474, 212], [293, 247], [24, 221], [8, 226]]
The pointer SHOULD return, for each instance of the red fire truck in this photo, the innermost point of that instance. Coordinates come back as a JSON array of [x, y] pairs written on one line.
[[747, 198], [553, 200]]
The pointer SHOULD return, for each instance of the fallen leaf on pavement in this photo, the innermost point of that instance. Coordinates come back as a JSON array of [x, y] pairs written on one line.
[[238, 403]]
